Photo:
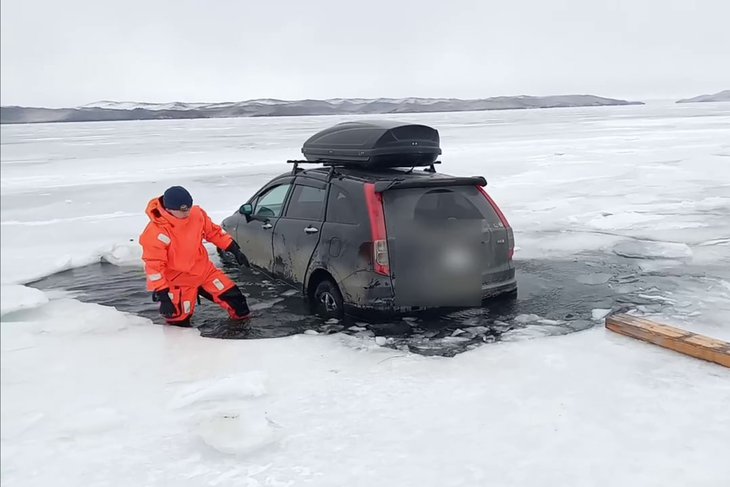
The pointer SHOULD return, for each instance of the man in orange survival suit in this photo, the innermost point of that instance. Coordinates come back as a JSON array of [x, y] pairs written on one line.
[[177, 264]]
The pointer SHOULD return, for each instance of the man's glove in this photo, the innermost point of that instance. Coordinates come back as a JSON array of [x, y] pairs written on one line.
[[236, 251], [167, 308]]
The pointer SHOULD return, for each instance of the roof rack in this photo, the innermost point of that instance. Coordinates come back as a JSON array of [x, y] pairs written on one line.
[[351, 164]]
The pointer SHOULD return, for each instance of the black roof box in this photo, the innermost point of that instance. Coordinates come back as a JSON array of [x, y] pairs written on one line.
[[374, 144]]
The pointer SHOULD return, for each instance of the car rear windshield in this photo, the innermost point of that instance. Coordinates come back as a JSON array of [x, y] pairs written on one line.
[[429, 205]]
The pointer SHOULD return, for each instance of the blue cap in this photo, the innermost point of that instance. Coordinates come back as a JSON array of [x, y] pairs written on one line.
[[177, 198]]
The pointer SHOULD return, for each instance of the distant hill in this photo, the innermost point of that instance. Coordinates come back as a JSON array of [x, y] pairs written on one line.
[[721, 96], [112, 110]]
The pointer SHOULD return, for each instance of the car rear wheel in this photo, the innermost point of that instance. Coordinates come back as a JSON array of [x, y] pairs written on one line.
[[327, 300]]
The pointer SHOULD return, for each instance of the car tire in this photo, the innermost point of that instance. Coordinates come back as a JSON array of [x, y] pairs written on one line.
[[327, 300]]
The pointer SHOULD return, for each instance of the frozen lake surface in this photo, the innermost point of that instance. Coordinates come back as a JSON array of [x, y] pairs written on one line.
[[614, 208]]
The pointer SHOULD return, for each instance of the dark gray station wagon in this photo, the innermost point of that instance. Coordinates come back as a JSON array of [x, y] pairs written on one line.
[[372, 227]]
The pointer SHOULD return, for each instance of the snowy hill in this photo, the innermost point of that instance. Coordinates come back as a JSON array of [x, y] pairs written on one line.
[[133, 105], [106, 110], [721, 96]]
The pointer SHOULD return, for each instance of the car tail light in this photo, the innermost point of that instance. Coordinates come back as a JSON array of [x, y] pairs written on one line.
[[378, 233], [503, 219], [381, 253]]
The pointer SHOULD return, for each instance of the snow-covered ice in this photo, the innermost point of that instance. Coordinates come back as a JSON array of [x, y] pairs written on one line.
[[95, 396], [15, 297], [599, 314]]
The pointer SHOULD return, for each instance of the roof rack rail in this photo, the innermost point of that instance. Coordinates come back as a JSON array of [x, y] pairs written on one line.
[[296, 163], [333, 164], [296, 168]]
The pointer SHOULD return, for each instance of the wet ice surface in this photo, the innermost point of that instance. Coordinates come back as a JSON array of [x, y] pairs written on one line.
[[555, 297]]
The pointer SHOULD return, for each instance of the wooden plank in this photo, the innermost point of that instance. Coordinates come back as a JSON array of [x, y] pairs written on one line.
[[682, 341]]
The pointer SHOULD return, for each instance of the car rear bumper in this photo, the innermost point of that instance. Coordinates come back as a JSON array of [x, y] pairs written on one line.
[[497, 289], [384, 306]]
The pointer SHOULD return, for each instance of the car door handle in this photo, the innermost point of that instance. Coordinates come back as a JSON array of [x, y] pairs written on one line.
[[267, 226], [311, 230]]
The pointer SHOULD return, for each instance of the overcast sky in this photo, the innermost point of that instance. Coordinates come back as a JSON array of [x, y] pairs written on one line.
[[71, 52]]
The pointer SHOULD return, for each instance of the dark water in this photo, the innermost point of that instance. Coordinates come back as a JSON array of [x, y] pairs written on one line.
[[561, 293]]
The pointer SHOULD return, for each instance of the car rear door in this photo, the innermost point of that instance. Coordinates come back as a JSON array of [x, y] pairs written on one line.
[[297, 233], [255, 235], [444, 242]]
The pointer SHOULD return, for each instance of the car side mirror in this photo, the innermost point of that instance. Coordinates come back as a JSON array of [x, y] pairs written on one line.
[[246, 210]]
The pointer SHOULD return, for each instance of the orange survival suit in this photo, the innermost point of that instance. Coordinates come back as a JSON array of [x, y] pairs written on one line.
[[177, 261]]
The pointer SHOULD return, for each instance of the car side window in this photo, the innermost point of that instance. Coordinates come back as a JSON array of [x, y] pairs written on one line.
[[271, 203], [340, 208], [307, 203]]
